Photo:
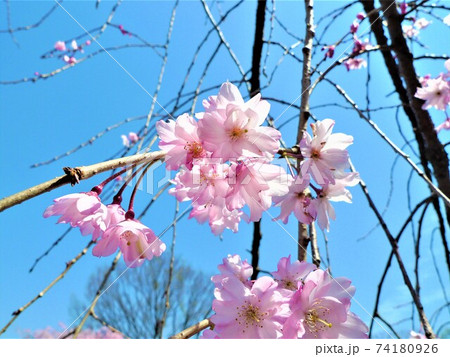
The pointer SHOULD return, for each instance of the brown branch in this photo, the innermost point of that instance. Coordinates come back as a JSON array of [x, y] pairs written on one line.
[[69, 265], [75, 175], [394, 72], [193, 330], [435, 152], [393, 242]]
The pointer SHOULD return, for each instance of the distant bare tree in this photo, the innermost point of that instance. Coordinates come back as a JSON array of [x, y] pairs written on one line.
[[136, 303]]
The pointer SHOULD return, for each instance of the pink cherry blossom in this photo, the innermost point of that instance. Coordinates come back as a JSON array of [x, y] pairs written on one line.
[[334, 193], [443, 126], [403, 6], [181, 141], [203, 183], [355, 63], [424, 80], [69, 60], [290, 274], [321, 309], [435, 94], [421, 23], [409, 31], [354, 27], [136, 242], [133, 137], [330, 51], [233, 266], [254, 183], [83, 210], [360, 46], [243, 312], [297, 201], [60, 46], [324, 154], [218, 216], [235, 131], [209, 334], [360, 15], [88, 42]]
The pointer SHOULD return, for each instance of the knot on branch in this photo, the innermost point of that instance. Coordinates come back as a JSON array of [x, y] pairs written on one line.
[[74, 174]]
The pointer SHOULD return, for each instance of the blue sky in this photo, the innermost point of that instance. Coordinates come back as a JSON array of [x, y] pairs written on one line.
[[43, 119]]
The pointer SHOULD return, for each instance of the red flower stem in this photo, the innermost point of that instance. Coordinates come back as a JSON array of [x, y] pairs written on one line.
[[130, 213], [99, 188], [117, 199]]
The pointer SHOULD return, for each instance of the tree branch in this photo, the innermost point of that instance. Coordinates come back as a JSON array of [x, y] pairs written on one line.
[[75, 175]]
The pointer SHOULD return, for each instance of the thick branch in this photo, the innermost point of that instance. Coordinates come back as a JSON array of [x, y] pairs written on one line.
[[75, 175], [435, 151], [193, 330]]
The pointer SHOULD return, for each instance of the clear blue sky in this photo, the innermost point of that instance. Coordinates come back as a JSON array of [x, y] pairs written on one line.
[[43, 119]]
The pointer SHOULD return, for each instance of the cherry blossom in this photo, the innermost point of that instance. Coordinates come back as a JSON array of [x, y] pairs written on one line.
[[409, 31], [233, 266], [218, 216], [203, 183], [136, 242], [133, 137], [69, 59], [297, 201], [181, 141], [443, 126], [60, 46], [334, 193], [324, 154], [125, 141], [355, 63], [403, 7], [417, 335], [243, 312], [74, 45], [421, 23], [436, 93], [446, 20], [330, 51], [254, 183], [83, 210], [354, 27], [321, 309], [360, 15], [231, 129], [289, 275]]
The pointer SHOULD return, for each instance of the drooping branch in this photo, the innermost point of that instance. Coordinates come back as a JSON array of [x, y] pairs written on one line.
[[394, 245], [75, 175]]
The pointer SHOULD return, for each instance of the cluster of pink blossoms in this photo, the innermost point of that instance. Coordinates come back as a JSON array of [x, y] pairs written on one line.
[[300, 301], [436, 94], [110, 226], [411, 31], [69, 53], [131, 138], [224, 159], [224, 164]]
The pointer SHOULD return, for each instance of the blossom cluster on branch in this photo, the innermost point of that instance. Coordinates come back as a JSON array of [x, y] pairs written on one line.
[[300, 301], [436, 94]]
